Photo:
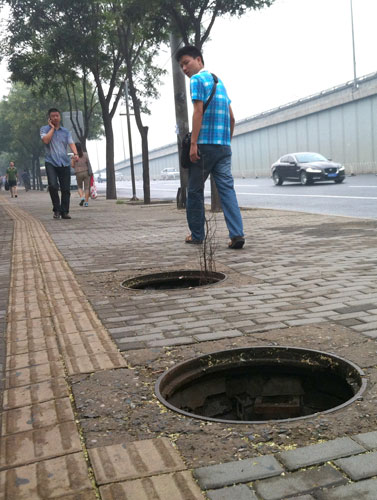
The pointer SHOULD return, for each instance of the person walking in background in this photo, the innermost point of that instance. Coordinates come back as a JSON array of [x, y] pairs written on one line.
[[210, 151], [58, 166], [26, 180], [12, 177], [83, 171]]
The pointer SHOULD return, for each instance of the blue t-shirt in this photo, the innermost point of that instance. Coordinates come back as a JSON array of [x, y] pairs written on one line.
[[56, 150], [215, 127]]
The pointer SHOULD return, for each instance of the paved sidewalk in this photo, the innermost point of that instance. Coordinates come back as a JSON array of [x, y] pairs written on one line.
[[299, 276]]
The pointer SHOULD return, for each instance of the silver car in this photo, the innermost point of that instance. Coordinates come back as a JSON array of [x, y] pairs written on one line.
[[169, 173]]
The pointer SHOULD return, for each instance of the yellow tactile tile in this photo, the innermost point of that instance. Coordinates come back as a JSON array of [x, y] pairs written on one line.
[[37, 416], [95, 362], [98, 335], [75, 345], [31, 345], [30, 329], [175, 486], [63, 478], [17, 397], [34, 374], [121, 462], [73, 323], [18, 361], [32, 446]]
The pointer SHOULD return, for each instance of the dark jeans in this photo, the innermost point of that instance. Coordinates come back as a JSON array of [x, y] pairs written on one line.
[[216, 160], [59, 177]]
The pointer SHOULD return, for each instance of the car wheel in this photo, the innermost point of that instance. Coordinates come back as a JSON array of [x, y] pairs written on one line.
[[277, 179], [304, 179], [338, 181]]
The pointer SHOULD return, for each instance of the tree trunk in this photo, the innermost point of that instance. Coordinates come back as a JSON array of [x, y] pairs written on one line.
[[111, 193], [38, 172], [145, 156], [83, 143], [181, 116], [144, 140], [33, 172]]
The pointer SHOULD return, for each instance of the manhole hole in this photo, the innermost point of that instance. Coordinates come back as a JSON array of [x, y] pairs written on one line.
[[260, 383], [173, 279]]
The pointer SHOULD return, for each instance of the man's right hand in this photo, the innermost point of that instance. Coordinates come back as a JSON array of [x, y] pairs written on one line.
[[51, 124], [194, 154]]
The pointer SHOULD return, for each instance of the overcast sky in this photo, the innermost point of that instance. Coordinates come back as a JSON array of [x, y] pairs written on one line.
[[267, 58]]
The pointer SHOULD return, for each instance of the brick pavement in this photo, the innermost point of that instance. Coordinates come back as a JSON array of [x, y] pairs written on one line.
[[64, 318]]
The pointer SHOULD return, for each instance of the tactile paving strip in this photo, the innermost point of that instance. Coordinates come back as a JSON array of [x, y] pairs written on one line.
[[54, 332]]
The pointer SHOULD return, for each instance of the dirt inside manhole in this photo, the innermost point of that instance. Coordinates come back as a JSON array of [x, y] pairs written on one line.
[[172, 280], [260, 383]]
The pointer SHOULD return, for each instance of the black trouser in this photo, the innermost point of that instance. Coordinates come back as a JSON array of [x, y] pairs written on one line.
[[59, 177]]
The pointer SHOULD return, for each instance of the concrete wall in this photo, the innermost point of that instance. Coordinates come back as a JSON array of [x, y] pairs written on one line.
[[340, 123]]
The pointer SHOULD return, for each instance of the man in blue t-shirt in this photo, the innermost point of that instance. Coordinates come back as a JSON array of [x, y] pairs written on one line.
[[58, 164], [210, 150]]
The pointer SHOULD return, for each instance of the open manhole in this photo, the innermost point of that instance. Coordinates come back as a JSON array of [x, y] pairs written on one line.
[[260, 383], [171, 280]]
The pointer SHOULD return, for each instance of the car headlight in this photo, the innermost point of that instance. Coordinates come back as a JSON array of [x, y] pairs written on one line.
[[341, 168], [312, 170]]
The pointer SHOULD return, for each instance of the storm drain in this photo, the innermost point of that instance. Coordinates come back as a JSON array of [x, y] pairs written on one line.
[[260, 383], [173, 279]]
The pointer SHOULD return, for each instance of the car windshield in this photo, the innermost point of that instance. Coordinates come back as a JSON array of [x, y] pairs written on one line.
[[309, 157]]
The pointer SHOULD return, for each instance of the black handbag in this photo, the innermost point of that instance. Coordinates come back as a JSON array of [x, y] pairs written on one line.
[[186, 141], [6, 186]]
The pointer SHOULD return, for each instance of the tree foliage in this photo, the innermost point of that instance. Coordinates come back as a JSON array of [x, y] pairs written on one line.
[[66, 39], [141, 30], [85, 37], [22, 113], [194, 19]]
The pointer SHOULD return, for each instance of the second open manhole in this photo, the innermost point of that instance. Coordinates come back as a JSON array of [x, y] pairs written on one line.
[[260, 383], [171, 280]]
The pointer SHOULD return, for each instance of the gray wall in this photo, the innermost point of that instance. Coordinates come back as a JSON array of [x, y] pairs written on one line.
[[340, 123], [346, 133]]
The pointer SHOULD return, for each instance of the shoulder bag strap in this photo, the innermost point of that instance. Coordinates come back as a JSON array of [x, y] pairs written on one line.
[[215, 80]]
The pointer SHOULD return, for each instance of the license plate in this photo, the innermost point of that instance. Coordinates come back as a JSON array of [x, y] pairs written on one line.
[[331, 175]]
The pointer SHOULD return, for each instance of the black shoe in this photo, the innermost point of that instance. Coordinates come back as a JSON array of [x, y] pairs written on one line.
[[56, 215], [66, 216], [237, 242], [81, 202]]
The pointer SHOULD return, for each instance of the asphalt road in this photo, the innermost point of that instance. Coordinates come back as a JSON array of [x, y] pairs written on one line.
[[356, 197]]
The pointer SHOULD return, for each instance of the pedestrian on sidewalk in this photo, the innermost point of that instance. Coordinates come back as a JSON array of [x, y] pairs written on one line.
[[58, 166], [83, 171], [210, 150], [26, 180], [12, 178]]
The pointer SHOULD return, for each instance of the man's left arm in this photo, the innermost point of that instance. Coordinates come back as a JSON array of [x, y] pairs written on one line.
[[72, 145], [232, 121]]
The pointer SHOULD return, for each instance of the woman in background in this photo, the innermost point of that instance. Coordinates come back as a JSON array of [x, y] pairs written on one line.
[[83, 171]]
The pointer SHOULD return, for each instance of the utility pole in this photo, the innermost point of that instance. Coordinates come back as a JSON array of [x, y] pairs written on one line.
[[134, 198], [353, 50], [181, 115]]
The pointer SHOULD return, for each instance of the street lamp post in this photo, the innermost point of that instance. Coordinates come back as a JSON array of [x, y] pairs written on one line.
[[353, 49]]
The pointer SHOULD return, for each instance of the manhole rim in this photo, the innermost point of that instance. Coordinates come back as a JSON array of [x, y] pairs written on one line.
[[195, 273], [178, 366]]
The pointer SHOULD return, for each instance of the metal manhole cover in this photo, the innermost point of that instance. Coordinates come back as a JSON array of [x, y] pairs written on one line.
[[257, 384], [171, 280]]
